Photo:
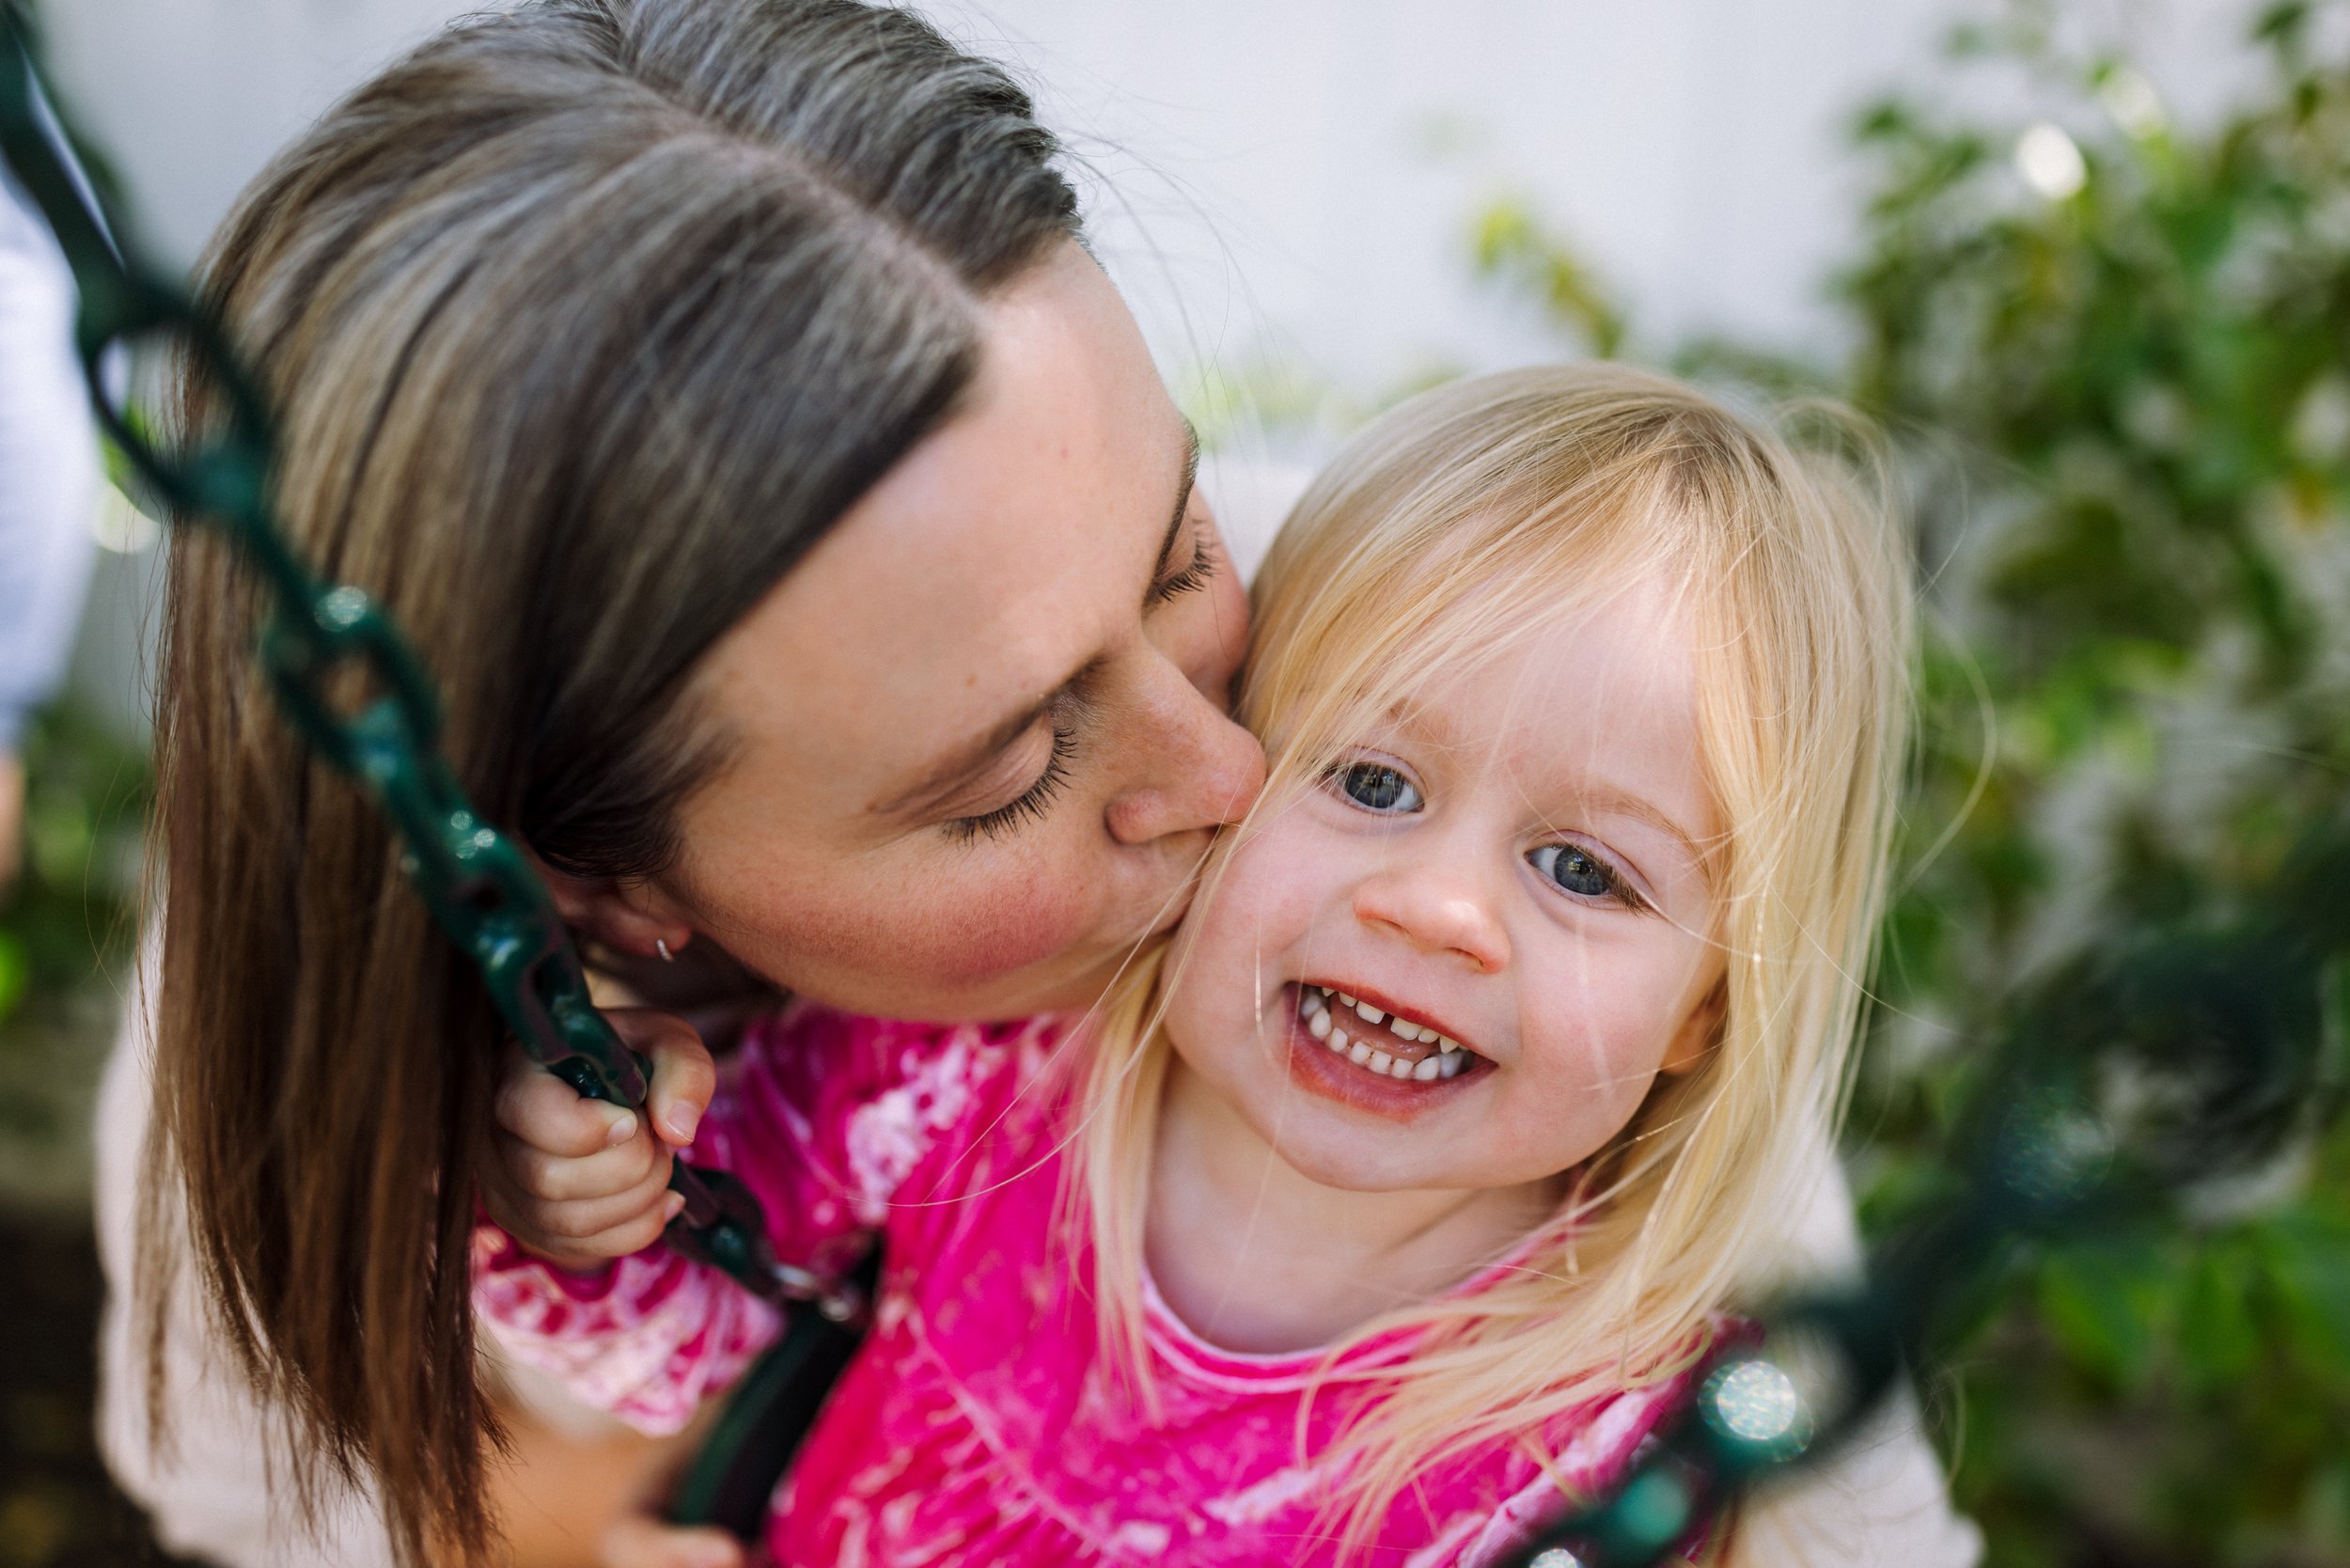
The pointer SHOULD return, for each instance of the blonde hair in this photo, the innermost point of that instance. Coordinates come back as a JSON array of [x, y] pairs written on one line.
[[1463, 520]]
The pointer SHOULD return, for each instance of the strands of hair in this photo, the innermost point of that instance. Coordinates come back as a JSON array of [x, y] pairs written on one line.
[[584, 321], [1482, 512]]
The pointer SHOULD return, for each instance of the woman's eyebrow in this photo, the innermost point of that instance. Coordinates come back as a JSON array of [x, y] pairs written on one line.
[[1182, 508], [956, 768]]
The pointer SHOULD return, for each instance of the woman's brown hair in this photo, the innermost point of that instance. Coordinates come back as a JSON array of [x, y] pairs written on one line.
[[584, 322]]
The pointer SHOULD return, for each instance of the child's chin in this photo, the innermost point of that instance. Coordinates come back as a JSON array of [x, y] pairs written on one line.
[[1336, 1157]]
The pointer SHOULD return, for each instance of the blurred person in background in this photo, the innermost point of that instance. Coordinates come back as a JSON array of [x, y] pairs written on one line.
[[48, 485]]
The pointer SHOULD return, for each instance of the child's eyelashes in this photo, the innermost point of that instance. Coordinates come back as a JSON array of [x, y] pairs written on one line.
[[1032, 803], [1386, 789], [1376, 787], [1578, 870]]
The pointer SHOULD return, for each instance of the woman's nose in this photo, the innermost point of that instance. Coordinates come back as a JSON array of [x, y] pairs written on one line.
[[1199, 769], [1437, 911]]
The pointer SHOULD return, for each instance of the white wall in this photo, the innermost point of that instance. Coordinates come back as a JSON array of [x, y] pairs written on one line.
[[1289, 178], [1303, 168]]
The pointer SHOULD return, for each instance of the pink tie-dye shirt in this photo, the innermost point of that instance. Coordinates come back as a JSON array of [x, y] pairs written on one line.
[[976, 1424]]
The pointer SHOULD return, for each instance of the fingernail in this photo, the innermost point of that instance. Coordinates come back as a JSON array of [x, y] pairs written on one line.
[[672, 1206], [682, 1121], [623, 1128]]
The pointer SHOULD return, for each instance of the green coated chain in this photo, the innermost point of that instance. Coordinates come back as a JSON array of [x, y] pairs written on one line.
[[473, 878]]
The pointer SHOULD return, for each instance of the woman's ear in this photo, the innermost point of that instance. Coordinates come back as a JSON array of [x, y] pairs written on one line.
[[623, 913], [1699, 1032]]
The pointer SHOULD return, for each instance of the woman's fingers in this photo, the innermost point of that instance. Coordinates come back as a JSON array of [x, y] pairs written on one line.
[[683, 1076], [639, 1540]]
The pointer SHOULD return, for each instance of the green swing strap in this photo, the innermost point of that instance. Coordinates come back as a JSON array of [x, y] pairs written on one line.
[[734, 1473]]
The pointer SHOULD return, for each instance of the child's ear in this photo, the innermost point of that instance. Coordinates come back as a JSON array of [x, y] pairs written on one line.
[[1699, 1032], [625, 914]]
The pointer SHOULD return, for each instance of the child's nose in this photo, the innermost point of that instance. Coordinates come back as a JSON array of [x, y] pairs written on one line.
[[1438, 913]]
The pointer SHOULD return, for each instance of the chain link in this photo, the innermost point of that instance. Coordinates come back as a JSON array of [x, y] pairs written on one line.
[[473, 879]]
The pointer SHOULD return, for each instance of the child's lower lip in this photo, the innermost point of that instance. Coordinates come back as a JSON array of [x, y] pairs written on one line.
[[1314, 1066]]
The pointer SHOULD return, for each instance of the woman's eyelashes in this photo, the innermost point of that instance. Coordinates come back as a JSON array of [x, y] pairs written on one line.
[[1190, 578], [1030, 804]]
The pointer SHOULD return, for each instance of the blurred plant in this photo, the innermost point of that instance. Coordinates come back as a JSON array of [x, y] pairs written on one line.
[[1511, 245], [2133, 342], [2114, 354], [66, 930]]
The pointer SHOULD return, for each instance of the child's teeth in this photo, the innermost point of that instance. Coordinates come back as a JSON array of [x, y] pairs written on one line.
[[1401, 1069], [1404, 1030], [1361, 1053], [1370, 1015], [1429, 1068], [1319, 1025], [1381, 1061], [1345, 1000], [1446, 1044], [1454, 1065]]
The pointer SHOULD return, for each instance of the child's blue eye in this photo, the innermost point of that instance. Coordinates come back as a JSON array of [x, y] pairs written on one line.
[[1574, 871], [1376, 787]]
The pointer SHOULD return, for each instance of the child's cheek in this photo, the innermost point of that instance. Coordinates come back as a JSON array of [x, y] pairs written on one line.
[[1275, 891]]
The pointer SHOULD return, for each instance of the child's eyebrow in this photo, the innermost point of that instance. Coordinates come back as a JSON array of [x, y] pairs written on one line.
[[1595, 794], [1610, 798]]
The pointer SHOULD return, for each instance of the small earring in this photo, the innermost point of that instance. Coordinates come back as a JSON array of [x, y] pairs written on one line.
[[661, 946]]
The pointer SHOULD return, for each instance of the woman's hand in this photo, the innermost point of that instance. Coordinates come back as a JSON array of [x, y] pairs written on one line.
[[582, 1182]]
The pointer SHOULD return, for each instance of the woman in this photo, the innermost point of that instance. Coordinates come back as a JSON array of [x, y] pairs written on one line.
[[719, 393]]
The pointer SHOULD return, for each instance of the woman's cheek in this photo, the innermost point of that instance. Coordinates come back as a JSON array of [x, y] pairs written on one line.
[[999, 925], [954, 932], [992, 923]]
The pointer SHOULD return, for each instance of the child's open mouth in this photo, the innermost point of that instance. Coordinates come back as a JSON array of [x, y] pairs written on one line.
[[1379, 1043]]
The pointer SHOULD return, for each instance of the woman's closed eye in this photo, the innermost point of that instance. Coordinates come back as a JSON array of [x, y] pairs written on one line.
[[1031, 803], [1191, 578]]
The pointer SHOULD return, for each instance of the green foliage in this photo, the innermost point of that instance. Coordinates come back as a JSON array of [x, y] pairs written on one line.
[[65, 931], [2114, 355], [1512, 246], [2133, 496]]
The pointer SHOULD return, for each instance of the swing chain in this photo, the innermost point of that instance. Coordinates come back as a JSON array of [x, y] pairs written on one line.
[[318, 636]]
